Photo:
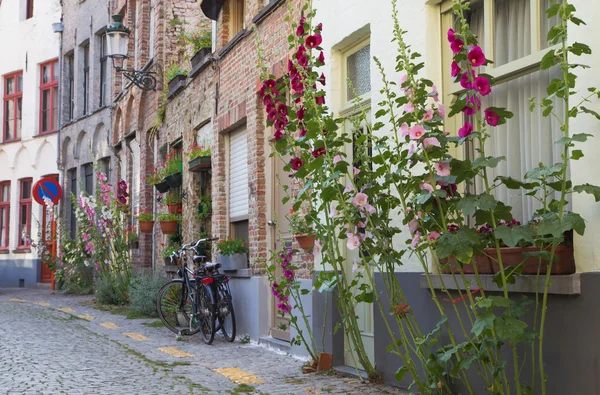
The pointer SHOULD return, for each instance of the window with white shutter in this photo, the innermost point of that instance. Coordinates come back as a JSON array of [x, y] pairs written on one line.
[[135, 178], [238, 176]]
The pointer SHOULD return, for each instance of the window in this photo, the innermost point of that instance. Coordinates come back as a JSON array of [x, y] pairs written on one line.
[[236, 17], [73, 189], [238, 183], [103, 73], [29, 10], [71, 87], [358, 71], [13, 102], [516, 47], [86, 77], [24, 212], [88, 178], [49, 97], [4, 214], [105, 167]]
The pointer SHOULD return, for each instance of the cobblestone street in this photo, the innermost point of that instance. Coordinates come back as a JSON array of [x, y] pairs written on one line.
[[50, 343]]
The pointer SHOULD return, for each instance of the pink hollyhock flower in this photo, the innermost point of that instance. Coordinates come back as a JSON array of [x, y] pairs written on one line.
[[431, 141], [476, 56], [314, 41], [321, 58], [336, 159], [349, 188], [322, 79], [436, 95], [413, 225], [442, 169], [409, 107], [318, 152], [482, 85], [296, 163], [441, 110], [289, 274], [456, 45], [404, 129], [472, 106], [333, 212], [465, 81], [318, 247], [320, 100], [455, 69], [426, 187], [412, 147], [270, 83], [428, 116], [416, 132], [300, 113], [491, 117], [360, 200], [466, 130], [303, 132], [320, 27], [278, 134], [433, 236], [415, 240], [402, 80], [282, 109], [356, 171], [370, 209], [353, 242], [451, 35]]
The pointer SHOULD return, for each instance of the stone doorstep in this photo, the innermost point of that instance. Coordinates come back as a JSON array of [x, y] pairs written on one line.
[[275, 343], [561, 285]]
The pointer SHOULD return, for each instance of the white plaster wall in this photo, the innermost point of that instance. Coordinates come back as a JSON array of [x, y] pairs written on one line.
[[24, 45]]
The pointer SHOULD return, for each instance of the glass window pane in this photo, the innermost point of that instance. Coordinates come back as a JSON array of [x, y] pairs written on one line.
[[10, 85], [26, 190], [55, 70], [55, 109], [546, 23], [20, 83], [9, 116], [45, 74], [5, 193], [19, 113], [358, 67], [512, 30]]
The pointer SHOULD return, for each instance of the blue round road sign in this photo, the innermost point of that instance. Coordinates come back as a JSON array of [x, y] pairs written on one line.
[[49, 188]]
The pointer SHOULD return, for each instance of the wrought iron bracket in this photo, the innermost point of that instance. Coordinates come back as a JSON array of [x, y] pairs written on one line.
[[145, 80]]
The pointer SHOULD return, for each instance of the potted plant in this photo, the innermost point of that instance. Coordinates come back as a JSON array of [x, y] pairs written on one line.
[[168, 223], [145, 219], [204, 208], [199, 157], [157, 179], [233, 254], [168, 251], [172, 170], [201, 42], [173, 202], [303, 233], [482, 261], [176, 77], [133, 239]]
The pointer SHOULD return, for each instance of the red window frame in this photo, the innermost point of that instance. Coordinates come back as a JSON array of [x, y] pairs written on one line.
[[45, 230], [52, 87], [25, 202], [15, 98], [5, 206], [29, 9]]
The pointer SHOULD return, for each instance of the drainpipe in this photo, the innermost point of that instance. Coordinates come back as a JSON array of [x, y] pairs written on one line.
[[59, 28]]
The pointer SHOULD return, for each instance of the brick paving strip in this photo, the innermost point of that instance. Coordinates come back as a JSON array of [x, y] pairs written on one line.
[[187, 365]]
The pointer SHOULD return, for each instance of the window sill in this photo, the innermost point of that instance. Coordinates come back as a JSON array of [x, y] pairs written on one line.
[[22, 250], [45, 134], [264, 13], [241, 273], [233, 42], [4, 251], [561, 285], [10, 141]]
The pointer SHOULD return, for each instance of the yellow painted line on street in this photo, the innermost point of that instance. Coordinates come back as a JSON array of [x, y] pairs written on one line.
[[66, 310], [239, 376], [16, 300], [136, 336], [45, 304], [175, 352], [86, 317], [110, 325]]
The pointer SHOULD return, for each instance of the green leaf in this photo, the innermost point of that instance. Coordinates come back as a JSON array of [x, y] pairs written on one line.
[[490, 161], [557, 185], [393, 345], [469, 204], [577, 21], [543, 172], [510, 328], [552, 225], [592, 112], [460, 244], [399, 375], [581, 137], [553, 10], [588, 188], [483, 322], [463, 170], [512, 183], [576, 154], [548, 60], [579, 48], [366, 297], [510, 273], [304, 188], [513, 235], [465, 363], [500, 212]]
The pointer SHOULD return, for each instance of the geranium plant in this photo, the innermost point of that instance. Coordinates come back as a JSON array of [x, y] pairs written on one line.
[[173, 164], [173, 71], [156, 176], [145, 214], [171, 198], [198, 150], [298, 223], [232, 246], [169, 217]]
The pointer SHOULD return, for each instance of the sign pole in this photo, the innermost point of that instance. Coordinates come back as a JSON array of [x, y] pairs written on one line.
[[53, 248], [49, 189]]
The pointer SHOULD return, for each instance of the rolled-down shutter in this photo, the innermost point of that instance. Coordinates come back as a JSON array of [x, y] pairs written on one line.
[[238, 175], [134, 188]]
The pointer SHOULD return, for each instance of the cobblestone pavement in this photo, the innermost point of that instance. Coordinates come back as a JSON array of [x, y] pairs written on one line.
[[52, 344]]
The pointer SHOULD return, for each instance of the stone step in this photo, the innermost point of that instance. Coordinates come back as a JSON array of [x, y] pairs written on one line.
[[44, 286]]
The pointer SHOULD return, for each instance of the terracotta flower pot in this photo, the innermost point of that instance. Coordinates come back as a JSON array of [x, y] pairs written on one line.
[[483, 263], [512, 256], [174, 208], [305, 241], [146, 226], [168, 227], [325, 360]]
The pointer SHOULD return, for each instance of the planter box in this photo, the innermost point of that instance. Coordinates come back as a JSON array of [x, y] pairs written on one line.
[[146, 226], [174, 180], [305, 241], [233, 262], [483, 262], [199, 164], [176, 84], [168, 227], [512, 256], [174, 208], [200, 57], [162, 186]]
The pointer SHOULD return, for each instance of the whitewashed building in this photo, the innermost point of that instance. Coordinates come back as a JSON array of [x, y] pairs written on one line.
[[29, 75]]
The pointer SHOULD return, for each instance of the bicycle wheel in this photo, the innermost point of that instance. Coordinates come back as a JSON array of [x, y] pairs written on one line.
[[176, 309], [225, 312], [207, 316]]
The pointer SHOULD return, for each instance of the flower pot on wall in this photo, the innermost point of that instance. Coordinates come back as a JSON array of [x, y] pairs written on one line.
[[305, 241], [146, 226], [512, 256], [200, 163], [175, 208], [168, 227], [174, 180], [176, 84], [162, 186], [483, 263], [233, 262], [200, 56]]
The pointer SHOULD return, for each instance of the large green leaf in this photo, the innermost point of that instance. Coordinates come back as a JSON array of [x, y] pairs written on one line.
[[500, 212], [588, 188], [399, 375], [512, 183], [490, 161], [459, 244], [509, 328], [511, 236], [469, 204], [484, 321], [552, 225]]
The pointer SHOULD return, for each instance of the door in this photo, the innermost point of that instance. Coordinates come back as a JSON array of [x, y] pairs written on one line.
[[281, 236], [45, 272]]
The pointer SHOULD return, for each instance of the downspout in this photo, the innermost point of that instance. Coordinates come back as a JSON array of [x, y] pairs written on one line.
[[59, 28]]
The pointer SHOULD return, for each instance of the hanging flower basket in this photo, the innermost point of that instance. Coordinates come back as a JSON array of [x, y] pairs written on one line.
[[168, 227], [305, 241], [174, 180], [483, 263], [200, 163], [146, 226], [162, 186], [175, 208], [512, 256]]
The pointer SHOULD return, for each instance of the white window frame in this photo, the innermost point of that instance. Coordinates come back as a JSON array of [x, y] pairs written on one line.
[[348, 106]]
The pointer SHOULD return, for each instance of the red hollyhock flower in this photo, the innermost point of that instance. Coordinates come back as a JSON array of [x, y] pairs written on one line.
[[282, 109], [320, 27], [455, 69], [272, 115], [491, 117], [270, 83], [322, 79], [314, 41], [267, 100], [296, 163], [300, 30], [262, 91], [278, 135], [300, 113], [476, 56], [318, 152], [456, 45], [465, 81], [302, 59], [303, 132], [320, 100], [473, 105], [463, 132], [281, 123], [321, 58], [482, 85], [451, 35]]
